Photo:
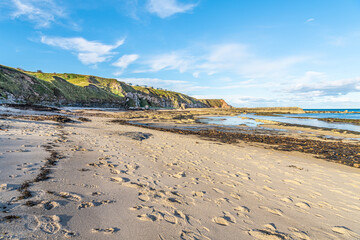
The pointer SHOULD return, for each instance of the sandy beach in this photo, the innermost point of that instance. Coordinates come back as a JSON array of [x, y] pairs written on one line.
[[103, 180]]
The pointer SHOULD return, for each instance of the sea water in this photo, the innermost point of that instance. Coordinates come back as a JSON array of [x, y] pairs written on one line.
[[289, 118]]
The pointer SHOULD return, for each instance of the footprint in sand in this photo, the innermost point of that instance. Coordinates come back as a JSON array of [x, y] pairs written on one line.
[[292, 182], [105, 230], [96, 193], [68, 233], [324, 204], [267, 235], [198, 194], [179, 214], [225, 220], [242, 209], [229, 217], [116, 179], [269, 189], [303, 205], [144, 197], [287, 199], [299, 234], [168, 217], [270, 226], [180, 175], [70, 196], [218, 190], [174, 200], [50, 205], [190, 235], [49, 224], [236, 196], [345, 231], [147, 217], [272, 210], [114, 171], [256, 194], [85, 205], [221, 221], [220, 201], [94, 204], [32, 223]]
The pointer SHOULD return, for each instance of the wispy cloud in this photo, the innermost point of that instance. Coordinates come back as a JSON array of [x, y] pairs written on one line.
[[350, 39], [124, 61], [239, 59], [328, 88], [229, 58], [175, 85], [171, 61], [245, 101], [88, 52], [40, 12], [167, 8], [310, 20]]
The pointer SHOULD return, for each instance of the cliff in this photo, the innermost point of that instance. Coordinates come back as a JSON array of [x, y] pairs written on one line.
[[67, 89], [215, 103]]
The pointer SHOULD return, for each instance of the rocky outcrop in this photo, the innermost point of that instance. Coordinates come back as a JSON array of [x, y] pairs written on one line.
[[215, 103], [139, 99]]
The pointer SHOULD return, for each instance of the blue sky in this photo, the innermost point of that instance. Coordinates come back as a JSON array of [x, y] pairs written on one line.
[[249, 52]]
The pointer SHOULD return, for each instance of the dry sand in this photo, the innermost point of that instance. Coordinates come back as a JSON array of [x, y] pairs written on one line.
[[124, 182]]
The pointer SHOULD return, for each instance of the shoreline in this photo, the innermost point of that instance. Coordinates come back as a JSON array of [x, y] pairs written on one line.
[[329, 144], [117, 181], [343, 153]]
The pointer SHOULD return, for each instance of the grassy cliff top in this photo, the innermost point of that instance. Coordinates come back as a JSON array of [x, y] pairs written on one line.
[[114, 85], [73, 88]]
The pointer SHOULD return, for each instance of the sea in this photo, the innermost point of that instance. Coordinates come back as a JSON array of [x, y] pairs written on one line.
[[336, 110], [298, 119]]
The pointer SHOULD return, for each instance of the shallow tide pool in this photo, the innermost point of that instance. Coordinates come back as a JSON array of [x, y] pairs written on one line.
[[238, 120]]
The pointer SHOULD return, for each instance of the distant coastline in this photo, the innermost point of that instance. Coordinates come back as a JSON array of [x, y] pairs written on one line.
[[333, 109]]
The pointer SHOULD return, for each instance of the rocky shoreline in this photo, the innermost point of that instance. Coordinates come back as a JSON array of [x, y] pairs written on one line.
[[335, 151], [107, 177]]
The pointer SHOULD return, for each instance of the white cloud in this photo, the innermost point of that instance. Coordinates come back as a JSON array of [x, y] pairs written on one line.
[[310, 20], [174, 85], [171, 61], [167, 8], [228, 52], [124, 61], [151, 81], [196, 74], [269, 68], [229, 58], [88, 52], [40, 12], [238, 58], [328, 88], [245, 101]]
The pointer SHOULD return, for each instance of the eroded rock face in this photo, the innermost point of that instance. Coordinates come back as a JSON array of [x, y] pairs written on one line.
[[139, 99]]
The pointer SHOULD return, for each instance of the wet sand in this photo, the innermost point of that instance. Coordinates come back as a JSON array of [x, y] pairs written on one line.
[[125, 182]]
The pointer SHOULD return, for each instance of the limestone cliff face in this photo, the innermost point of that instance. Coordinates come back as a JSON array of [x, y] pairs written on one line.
[[139, 99], [21, 86]]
